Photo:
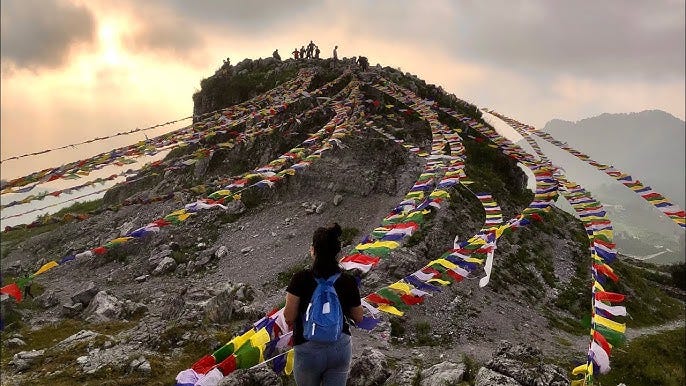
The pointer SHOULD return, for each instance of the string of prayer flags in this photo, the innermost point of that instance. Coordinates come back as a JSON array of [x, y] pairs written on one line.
[[664, 205]]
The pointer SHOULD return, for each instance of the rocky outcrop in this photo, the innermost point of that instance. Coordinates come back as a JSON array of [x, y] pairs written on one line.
[[525, 365], [369, 369], [487, 377], [443, 373], [105, 307], [258, 376], [229, 299], [85, 294], [24, 360]]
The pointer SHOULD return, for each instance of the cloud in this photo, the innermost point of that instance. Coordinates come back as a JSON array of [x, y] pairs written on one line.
[[41, 34], [160, 31], [613, 38]]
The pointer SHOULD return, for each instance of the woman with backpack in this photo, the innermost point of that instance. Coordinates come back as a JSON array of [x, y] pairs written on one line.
[[318, 302]]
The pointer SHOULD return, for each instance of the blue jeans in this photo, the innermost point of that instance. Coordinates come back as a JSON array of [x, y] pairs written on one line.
[[325, 364]]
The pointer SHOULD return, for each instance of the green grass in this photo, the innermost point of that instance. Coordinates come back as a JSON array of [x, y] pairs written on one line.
[[649, 360], [348, 235]]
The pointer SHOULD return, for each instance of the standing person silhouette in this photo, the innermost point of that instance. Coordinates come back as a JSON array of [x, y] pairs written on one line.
[[335, 56], [322, 363]]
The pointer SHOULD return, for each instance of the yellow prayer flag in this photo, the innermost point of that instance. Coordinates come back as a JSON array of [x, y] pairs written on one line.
[[290, 358], [120, 240], [259, 340], [177, 212], [598, 286], [402, 287], [581, 369], [390, 309], [439, 281], [611, 324], [241, 339], [46, 267], [444, 263]]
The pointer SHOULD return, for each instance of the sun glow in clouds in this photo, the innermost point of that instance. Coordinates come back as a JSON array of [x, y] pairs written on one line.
[[111, 52]]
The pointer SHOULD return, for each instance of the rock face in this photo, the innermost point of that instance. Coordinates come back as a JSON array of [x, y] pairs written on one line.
[[230, 299], [259, 376], [86, 294], [25, 359], [167, 264], [370, 369], [442, 374], [404, 376], [486, 377], [103, 308], [48, 299], [81, 336]]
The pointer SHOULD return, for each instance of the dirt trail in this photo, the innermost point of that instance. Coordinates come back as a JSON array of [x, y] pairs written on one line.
[[633, 333]]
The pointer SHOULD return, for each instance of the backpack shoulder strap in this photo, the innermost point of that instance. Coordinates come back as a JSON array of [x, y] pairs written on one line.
[[332, 279]]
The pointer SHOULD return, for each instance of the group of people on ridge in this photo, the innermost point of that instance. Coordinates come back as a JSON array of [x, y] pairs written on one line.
[[312, 51]]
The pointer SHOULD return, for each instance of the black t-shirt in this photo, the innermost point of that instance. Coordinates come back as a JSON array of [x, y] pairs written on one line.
[[303, 285]]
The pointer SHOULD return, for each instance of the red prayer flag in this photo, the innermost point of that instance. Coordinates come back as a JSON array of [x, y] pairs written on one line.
[[378, 299], [99, 250], [12, 290], [600, 339], [609, 297], [204, 364], [411, 300], [607, 271], [228, 365]]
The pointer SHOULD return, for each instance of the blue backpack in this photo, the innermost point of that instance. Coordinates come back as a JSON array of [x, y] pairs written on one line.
[[323, 319]]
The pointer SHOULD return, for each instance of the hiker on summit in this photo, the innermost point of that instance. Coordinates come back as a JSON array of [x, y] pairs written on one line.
[[315, 296], [276, 55], [316, 52], [335, 56], [310, 50], [296, 54], [302, 52], [363, 62]]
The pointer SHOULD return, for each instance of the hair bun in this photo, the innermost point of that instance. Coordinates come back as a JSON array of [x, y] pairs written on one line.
[[335, 231]]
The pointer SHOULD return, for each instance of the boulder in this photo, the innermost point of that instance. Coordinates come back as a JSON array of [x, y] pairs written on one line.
[[259, 376], [443, 373], [222, 306], [71, 310], [140, 365], [47, 299], [337, 199], [525, 365], [155, 259], [166, 265], [369, 369], [103, 308], [85, 294], [487, 377], [81, 336], [25, 359], [221, 252], [14, 342], [405, 375], [13, 269], [235, 207]]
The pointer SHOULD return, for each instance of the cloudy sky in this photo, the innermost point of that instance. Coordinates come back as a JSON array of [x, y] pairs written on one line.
[[73, 70]]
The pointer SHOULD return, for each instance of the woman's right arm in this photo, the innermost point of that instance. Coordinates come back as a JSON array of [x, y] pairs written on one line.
[[357, 313], [290, 311]]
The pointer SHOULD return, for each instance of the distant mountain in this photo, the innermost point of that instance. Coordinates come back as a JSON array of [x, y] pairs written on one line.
[[649, 145]]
